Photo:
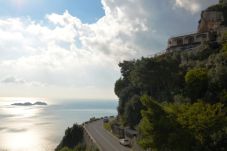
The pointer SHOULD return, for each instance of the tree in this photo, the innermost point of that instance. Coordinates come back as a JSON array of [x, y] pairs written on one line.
[[223, 97], [217, 76], [206, 122], [126, 68], [196, 82], [132, 111], [125, 95], [183, 127], [73, 137], [160, 132], [152, 76], [119, 86]]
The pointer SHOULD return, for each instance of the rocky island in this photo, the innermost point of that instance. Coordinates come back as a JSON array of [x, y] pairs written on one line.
[[29, 103]]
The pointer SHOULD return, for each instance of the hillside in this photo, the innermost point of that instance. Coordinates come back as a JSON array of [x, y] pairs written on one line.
[[180, 82], [177, 101]]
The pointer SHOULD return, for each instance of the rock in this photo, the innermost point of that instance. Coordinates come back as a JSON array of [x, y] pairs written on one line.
[[40, 103], [29, 104], [210, 21]]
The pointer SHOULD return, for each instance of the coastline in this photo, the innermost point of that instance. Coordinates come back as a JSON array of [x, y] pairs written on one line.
[[87, 141]]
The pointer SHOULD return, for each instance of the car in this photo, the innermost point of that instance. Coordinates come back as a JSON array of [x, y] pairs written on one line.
[[124, 142], [105, 119]]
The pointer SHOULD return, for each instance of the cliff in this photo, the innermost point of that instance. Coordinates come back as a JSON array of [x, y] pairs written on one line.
[[213, 17], [178, 100]]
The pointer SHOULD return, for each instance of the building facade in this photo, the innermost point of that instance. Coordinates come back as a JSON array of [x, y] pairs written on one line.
[[187, 41], [210, 29]]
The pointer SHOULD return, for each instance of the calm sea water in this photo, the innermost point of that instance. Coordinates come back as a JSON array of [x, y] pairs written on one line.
[[40, 128]]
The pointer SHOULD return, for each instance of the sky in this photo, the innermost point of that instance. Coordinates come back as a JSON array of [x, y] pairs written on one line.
[[71, 48]]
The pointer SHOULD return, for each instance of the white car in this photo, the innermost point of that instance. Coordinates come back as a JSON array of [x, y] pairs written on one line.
[[124, 142]]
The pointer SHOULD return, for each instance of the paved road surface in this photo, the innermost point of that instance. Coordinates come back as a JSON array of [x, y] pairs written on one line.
[[104, 139]]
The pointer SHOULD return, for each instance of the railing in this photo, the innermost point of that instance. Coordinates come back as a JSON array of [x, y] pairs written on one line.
[[183, 34]]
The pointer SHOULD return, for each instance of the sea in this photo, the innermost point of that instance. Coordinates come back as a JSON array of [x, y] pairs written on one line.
[[41, 128]]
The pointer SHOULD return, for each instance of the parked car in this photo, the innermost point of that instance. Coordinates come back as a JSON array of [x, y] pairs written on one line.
[[124, 142], [105, 119]]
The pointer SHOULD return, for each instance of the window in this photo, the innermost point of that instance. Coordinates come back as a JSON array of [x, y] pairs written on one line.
[[179, 41], [190, 39]]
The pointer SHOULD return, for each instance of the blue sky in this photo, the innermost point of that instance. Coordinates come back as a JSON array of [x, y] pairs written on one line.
[[71, 48], [87, 11]]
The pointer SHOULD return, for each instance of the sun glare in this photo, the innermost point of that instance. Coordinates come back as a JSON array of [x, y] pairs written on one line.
[[22, 112], [23, 140], [20, 133]]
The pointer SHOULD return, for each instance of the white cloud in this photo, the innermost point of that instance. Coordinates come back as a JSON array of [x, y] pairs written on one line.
[[66, 54], [193, 6]]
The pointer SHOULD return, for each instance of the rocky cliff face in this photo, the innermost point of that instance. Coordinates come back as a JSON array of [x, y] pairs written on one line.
[[210, 21], [213, 17]]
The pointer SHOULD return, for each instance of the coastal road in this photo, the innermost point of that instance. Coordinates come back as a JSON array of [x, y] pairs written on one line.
[[104, 139]]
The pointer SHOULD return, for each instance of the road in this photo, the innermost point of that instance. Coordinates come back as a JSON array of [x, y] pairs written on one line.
[[104, 139]]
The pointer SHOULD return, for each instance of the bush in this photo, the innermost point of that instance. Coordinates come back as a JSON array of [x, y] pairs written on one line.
[[73, 137]]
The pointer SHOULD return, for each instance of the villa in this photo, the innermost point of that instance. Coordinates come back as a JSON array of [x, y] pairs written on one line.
[[210, 29]]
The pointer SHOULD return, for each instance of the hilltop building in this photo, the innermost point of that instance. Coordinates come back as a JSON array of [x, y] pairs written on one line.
[[210, 29]]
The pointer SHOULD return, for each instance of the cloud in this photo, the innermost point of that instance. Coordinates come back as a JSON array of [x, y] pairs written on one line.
[[190, 5], [12, 80], [193, 6], [13, 130], [62, 56]]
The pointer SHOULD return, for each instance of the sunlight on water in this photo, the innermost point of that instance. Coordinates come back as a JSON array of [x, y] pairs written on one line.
[[21, 112], [21, 140], [19, 131], [40, 128]]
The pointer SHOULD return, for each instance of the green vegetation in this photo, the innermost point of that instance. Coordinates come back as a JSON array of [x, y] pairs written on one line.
[[196, 82], [177, 101], [80, 147], [107, 126], [73, 140], [73, 137], [183, 127]]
